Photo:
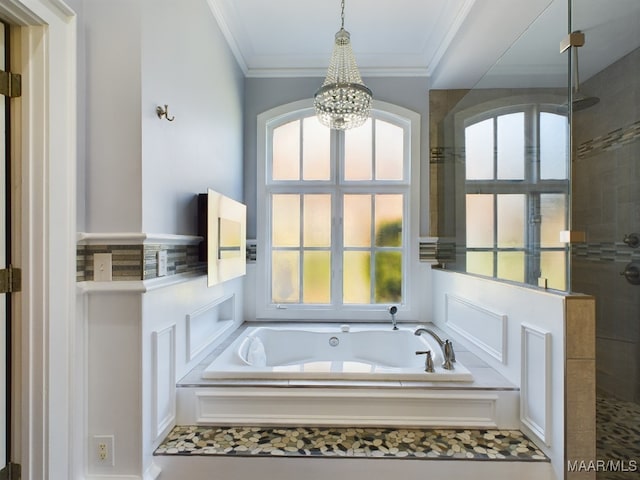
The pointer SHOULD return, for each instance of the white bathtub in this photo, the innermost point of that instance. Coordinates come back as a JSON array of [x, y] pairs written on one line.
[[332, 352]]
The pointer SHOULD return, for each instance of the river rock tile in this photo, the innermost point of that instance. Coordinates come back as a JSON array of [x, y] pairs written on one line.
[[350, 442]]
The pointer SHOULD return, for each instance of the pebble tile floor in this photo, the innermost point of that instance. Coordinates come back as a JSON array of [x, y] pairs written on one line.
[[618, 435], [351, 442]]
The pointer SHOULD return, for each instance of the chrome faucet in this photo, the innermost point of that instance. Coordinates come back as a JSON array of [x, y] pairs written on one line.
[[428, 362], [392, 311], [447, 347]]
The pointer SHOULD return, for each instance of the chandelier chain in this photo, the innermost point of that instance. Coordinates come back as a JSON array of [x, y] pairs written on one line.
[[343, 101]]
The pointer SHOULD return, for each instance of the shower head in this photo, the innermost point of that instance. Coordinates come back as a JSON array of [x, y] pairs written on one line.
[[582, 102]]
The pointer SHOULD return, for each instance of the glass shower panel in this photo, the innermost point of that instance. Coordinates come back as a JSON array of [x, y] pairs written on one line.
[[510, 220], [497, 148], [479, 150], [606, 200], [511, 146], [554, 145], [480, 221]]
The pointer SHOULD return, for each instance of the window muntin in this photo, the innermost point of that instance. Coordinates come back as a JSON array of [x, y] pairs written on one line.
[[516, 200], [337, 238]]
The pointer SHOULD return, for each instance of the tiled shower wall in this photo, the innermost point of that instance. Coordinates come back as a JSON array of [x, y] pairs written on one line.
[[606, 205]]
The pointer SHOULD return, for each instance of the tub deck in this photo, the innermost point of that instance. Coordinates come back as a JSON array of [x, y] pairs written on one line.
[[488, 401]]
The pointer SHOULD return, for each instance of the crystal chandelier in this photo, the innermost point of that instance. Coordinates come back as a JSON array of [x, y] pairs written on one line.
[[343, 101]]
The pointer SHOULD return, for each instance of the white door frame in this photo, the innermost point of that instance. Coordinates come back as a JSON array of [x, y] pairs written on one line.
[[52, 412]]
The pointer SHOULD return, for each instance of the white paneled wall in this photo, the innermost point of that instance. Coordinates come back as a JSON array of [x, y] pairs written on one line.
[[519, 331]]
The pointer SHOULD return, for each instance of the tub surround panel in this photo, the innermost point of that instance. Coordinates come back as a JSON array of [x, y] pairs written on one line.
[[348, 406], [164, 389], [548, 318], [485, 328], [535, 389], [209, 323]]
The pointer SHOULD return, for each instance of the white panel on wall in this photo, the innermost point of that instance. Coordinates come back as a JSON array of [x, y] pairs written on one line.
[[208, 323], [164, 381], [482, 327], [535, 390]]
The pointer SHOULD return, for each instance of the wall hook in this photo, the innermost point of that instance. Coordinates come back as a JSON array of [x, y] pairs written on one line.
[[164, 112]]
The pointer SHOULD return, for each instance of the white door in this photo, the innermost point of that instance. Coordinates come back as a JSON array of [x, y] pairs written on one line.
[[4, 368]]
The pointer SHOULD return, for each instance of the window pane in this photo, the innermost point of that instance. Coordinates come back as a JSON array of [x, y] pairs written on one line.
[[553, 268], [356, 278], [357, 221], [480, 263], [388, 277], [316, 155], [389, 151], [286, 151], [511, 266], [388, 220], [511, 146], [358, 153], [286, 221], [553, 212], [480, 221], [478, 144], [553, 146], [316, 282], [285, 277], [511, 213], [317, 220]]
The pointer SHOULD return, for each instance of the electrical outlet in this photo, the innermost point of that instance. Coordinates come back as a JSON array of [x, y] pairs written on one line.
[[162, 263], [102, 450], [102, 267]]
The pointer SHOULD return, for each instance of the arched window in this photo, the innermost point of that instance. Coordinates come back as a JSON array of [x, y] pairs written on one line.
[[516, 194], [335, 213]]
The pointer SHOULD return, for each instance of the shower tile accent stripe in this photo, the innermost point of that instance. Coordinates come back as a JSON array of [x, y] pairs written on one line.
[[610, 141], [352, 442], [437, 250], [605, 252]]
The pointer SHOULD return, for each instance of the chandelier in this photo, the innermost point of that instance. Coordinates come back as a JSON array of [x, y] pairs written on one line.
[[343, 101]]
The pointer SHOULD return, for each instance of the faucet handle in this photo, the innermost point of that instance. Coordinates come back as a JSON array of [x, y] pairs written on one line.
[[428, 361], [449, 355]]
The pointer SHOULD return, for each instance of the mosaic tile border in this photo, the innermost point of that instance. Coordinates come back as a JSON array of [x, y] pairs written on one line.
[[139, 262], [610, 141], [437, 250], [437, 444], [605, 252]]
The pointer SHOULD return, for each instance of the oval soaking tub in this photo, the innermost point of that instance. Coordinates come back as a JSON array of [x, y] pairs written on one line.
[[332, 352]]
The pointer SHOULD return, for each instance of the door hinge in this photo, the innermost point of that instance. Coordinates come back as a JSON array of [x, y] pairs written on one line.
[[10, 281], [10, 84], [12, 471]]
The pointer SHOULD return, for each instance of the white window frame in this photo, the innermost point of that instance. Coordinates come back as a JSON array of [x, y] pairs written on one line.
[[531, 186], [265, 309]]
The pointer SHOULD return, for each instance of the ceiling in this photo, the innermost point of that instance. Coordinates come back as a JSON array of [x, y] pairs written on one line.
[[454, 42]]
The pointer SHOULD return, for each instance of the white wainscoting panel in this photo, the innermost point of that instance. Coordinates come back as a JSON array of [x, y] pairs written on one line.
[[535, 389], [164, 379], [345, 406], [482, 327], [208, 323]]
